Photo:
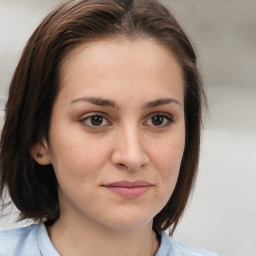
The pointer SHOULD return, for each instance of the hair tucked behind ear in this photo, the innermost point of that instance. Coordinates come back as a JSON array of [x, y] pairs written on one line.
[[33, 187]]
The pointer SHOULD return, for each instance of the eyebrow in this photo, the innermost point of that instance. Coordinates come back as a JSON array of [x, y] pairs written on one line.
[[109, 103], [97, 101], [161, 102]]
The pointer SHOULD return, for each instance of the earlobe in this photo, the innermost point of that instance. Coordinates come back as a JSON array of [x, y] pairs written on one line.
[[40, 153]]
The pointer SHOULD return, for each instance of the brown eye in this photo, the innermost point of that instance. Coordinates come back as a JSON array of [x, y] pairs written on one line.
[[159, 121], [96, 120]]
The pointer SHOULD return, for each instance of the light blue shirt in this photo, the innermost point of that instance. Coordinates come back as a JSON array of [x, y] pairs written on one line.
[[34, 241]]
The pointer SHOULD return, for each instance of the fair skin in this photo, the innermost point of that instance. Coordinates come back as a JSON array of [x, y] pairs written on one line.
[[118, 117]]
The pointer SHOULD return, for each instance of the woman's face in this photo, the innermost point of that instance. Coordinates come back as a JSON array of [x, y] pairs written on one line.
[[117, 132]]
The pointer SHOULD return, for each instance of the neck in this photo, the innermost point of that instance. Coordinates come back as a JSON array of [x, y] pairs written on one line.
[[73, 238]]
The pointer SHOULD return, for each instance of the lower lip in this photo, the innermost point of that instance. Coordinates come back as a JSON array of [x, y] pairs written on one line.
[[131, 192]]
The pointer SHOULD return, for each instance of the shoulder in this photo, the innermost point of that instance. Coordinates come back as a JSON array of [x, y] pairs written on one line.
[[19, 241], [171, 247], [186, 249]]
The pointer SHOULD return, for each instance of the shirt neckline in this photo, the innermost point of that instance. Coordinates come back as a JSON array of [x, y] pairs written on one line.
[[44, 243], [46, 247]]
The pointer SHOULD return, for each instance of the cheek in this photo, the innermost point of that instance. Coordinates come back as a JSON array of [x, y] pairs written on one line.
[[170, 153], [168, 158], [77, 158]]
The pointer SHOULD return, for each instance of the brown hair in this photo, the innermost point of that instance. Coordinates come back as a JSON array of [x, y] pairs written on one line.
[[33, 89]]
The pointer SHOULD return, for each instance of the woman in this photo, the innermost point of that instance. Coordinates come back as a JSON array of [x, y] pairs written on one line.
[[101, 138]]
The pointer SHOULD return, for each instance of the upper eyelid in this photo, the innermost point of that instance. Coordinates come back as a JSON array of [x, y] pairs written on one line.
[[105, 115], [160, 114], [91, 114]]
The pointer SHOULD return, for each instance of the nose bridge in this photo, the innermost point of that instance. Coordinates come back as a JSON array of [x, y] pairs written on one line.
[[129, 151], [132, 138]]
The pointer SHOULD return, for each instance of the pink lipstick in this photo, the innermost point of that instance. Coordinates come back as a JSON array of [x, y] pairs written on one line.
[[130, 189]]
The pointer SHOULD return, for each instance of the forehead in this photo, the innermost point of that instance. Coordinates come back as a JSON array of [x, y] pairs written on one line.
[[113, 64]]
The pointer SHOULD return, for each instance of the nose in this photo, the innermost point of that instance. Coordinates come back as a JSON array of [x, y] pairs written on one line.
[[129, 152]]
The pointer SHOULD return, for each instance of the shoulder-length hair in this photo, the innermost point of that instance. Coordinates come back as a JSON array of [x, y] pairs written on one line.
[[35, 84]]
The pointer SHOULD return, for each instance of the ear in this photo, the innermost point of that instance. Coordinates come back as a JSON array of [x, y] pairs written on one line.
[[40, 153]]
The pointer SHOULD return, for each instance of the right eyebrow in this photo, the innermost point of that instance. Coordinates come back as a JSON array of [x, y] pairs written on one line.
[[97, 101]]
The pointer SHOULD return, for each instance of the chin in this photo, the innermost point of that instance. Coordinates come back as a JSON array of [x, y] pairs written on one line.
[[130, 223]]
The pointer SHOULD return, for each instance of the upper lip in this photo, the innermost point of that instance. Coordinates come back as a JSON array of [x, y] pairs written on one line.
[[129, 184]]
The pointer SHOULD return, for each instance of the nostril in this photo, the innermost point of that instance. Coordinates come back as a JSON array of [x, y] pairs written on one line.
[[125, 167], [122, 165]]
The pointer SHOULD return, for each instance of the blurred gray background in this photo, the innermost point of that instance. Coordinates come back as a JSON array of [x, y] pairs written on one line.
[[222, 213]]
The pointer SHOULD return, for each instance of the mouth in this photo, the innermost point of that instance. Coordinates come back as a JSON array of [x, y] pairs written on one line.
[[129, 189]]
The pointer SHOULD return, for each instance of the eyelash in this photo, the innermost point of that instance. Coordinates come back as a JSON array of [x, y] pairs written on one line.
[[168, 119]]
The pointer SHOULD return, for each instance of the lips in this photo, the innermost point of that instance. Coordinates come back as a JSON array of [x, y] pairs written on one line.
[[130, 189]]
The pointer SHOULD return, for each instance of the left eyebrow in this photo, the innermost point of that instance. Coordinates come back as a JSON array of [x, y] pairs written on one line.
[[161, 102]]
